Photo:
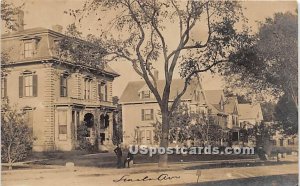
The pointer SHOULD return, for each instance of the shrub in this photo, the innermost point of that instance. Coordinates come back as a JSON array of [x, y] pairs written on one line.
[[16, 138], [84, 143]]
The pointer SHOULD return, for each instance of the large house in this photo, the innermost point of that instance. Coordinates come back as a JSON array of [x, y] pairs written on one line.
[[56, 96], [140, 110]]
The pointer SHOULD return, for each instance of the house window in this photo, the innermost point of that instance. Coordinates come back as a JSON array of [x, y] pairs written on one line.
[[28, 85], [3, 87], [87, 88], [62, 125], [28, 49], [221, 104], [291, 142], [234, 121], [28, 116], [197, 95], [147, 114], [102, 91], [281, 142], [63, 86], [235, 136], [149, 136], [145, 94], [142, 135]]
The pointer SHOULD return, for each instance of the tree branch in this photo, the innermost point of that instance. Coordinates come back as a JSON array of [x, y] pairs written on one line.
[[140, 57]]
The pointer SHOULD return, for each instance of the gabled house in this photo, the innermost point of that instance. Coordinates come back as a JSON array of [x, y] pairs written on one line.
[[215, 101], [231, 108], [249, 115], [140, 109], [56, 96]]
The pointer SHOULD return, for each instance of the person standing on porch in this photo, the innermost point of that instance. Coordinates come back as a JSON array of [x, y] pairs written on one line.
[[118, 152]]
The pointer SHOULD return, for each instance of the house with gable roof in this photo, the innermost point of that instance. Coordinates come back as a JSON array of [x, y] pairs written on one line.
[[215, 101], [140, 109], [249, 114]]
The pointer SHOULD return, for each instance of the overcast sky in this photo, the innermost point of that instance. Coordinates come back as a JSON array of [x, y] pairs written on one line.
[[45, 13]]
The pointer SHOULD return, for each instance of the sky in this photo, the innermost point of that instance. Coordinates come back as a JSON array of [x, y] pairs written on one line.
[[45, 13]]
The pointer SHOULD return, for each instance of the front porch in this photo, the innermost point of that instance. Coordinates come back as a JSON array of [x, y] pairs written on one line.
[[70, 121]]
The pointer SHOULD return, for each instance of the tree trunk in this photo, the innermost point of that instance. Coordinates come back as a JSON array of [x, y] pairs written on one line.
[[10, 166], [9, 157], [164, 142]]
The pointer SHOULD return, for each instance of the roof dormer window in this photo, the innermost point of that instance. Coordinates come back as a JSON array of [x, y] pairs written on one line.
[[30, 46], [145, 94], [28, 49], [222, 104]]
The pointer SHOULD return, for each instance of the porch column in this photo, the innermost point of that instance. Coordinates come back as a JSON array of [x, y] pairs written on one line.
[[110, 127]]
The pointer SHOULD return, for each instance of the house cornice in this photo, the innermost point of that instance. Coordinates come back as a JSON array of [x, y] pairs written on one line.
[[51, 59], [32, 32]]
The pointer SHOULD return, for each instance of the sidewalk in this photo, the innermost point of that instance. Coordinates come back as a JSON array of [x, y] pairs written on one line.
[[108, 160], [153, 167]]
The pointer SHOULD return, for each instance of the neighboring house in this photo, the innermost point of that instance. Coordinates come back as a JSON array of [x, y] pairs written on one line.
[[215, 100], [140, 109], [280, 140], [231, 108], [249, 114], [56, 96]]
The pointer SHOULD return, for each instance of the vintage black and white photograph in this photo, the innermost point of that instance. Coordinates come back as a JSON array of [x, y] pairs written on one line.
[[149, 92]]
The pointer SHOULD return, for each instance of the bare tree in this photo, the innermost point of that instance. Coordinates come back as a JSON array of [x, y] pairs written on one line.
[[138, 33]]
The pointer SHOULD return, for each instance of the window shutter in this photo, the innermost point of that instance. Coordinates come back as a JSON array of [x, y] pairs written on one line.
[[5, 87], [61, 86], [152, 117], [105, 92], [20, 86], [99, 91], [143, 115], [35, 85], [66, 87]]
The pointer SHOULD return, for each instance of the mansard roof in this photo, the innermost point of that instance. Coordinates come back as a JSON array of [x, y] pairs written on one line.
[[46, 49]]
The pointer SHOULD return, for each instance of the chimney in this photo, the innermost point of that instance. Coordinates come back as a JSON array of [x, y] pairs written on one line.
[[57, 28], [20, 20], [156, 75]]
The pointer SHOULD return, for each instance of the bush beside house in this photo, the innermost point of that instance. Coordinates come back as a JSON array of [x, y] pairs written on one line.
[[16, 136]]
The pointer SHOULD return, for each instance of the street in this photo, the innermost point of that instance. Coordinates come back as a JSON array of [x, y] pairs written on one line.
[[283, 174]]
